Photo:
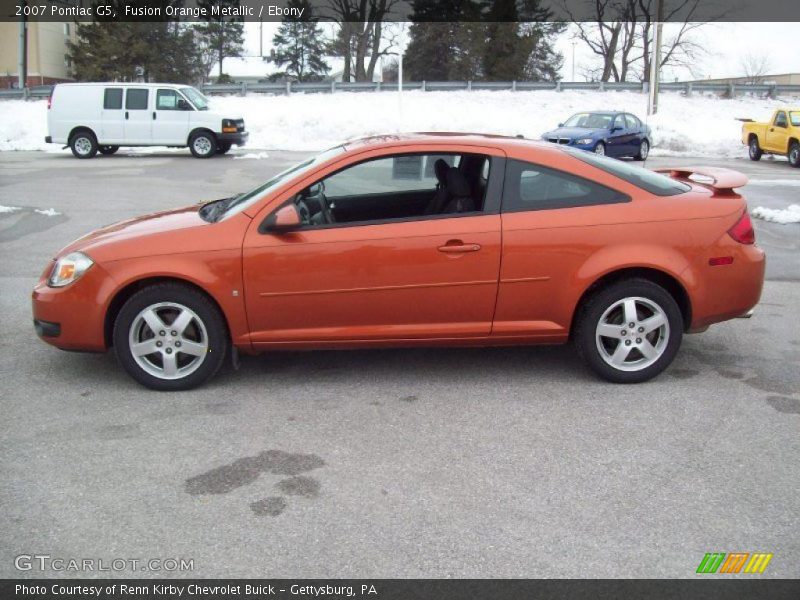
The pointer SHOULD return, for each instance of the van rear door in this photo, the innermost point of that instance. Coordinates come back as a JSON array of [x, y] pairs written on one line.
[[112, 129], [138, 121]]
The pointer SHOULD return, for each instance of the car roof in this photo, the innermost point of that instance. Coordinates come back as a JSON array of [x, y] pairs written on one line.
[[442, 137], [122, 83]]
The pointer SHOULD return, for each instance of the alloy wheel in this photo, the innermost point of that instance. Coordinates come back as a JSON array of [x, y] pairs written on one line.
[[202, 145], [632, 334], [83, 146], [168, 340], [600, 149]]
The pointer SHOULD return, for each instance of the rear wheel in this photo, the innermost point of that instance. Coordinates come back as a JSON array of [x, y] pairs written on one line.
[[223, 147], [83, 144], [203, 144], [630, 331], [170, 337], [644, 150], [108, 150], [753, 149], [794, 154]]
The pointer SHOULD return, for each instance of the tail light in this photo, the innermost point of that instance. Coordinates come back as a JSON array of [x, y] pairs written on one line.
[[743, 231], [49, 102]]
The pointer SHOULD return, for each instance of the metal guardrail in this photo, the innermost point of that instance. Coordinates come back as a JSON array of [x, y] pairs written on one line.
[[242, 89]]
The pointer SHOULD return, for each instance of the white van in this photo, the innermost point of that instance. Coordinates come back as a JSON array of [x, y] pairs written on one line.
[[92, 117]]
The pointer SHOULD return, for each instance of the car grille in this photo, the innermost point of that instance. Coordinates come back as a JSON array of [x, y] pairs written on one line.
[[559, 140], [239, 124]]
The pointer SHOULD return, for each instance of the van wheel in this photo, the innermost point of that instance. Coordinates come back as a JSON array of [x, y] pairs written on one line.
[[629, 331], [108, 150], [203, 144], [753, 149], [794, 154], [170, 337], [83, 144], [223, 147]]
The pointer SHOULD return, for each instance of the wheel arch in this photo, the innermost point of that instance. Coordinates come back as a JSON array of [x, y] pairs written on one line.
[[792, 140], [124, 293], [753, 136], [666, 280], [79, 128], [200, 130]]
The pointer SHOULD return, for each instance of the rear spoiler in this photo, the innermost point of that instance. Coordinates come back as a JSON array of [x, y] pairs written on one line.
[[743, 120], [723, 181]]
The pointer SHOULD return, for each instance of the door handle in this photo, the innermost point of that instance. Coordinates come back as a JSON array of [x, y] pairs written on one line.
[[126, 114], [154, 115], [458, 247]]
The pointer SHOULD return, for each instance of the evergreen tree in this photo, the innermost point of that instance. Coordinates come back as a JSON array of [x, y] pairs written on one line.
[[124, 51], [299, 46], [220, 36]]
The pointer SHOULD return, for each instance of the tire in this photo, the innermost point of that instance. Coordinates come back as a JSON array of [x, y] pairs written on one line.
[[83, 144], [223, 147], [753, 149], [203, 144], [108, 150], [794, 155], [600, 149], [646, 356], [644, 150], [170, 366]]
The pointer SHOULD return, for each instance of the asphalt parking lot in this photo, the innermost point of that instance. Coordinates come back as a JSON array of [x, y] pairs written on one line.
[[395, 463]]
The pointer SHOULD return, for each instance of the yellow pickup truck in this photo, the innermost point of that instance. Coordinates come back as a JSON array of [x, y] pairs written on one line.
[[780, 136]]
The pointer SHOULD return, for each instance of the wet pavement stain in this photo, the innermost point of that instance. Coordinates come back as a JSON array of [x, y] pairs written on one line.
[[409, 399], [728, 374], [784, 404], [683, 373], [119, 432], [268, 507], [300, 486], [246, 470]]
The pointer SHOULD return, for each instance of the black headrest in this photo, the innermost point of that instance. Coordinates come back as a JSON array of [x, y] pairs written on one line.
[[440, 167], [457, 185]]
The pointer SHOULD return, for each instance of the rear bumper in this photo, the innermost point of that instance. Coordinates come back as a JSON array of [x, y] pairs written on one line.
[[239, 138]]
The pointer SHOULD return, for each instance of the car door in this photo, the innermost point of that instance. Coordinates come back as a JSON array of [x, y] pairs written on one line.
[[412, 278], [170, 118], [138, 121], [112, 121], [618, 138], [635, 133], [778, 133]]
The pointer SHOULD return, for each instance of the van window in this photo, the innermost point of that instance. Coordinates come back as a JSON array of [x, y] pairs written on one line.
[[167, 100], [136, 99], [112, 99]]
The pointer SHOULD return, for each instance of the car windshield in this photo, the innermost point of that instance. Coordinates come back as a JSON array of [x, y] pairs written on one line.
[[590, 120], [199, 101], [243, 201], [655, 183], [794, 116]]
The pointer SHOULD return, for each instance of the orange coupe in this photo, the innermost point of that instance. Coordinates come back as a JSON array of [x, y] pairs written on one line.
[[419, 239]]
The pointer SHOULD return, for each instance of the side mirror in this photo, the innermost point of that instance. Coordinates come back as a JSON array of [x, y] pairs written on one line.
[[286, 218], [560, 124], [182, 104], [616, 128]]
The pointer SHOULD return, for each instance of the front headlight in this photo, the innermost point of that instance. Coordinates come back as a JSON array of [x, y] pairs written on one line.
[[584, 141], [69, 268]]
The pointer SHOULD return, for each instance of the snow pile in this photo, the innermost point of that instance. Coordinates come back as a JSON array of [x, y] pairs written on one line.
[[47, 212], [253, 155], [782, 216], [8, 209], [696, 126]]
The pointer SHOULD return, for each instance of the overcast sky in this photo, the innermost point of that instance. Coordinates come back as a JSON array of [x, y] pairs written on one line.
[[725, 43]]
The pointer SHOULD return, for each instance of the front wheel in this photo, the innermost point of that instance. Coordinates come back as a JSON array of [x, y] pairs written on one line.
[[108, 150], [203, 145], [644, 150], [600, 149], [630, 331], [170, 337], [754, 150], [794, 155]]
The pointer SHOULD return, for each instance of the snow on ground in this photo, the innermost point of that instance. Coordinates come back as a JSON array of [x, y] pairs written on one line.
[[8, 209], [782, 216], [701, 125]]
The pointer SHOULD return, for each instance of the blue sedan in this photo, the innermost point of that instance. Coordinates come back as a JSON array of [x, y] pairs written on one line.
[[612, 133]]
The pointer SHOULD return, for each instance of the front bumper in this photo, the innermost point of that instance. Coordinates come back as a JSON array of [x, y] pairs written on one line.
[[570, 143], [239, 138]]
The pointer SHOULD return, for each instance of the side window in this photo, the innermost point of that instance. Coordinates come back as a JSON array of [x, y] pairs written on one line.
[[112, 99], [780, 120], [632, 122], [395, 174], [167, 100], [533, 187], [136, 99]]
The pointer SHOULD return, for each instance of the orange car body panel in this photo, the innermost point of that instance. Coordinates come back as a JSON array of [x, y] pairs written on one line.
[[392, 283]]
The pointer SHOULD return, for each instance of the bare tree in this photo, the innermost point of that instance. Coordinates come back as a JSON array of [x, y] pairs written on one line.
[[755, 67]]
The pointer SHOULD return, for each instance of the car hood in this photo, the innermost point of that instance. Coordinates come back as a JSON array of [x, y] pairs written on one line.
[[573, 132], [167, 232]]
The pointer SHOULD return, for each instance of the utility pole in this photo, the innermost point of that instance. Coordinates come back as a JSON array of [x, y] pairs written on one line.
[[22, 66], [261, 38], [574, 43], [655, 59]]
